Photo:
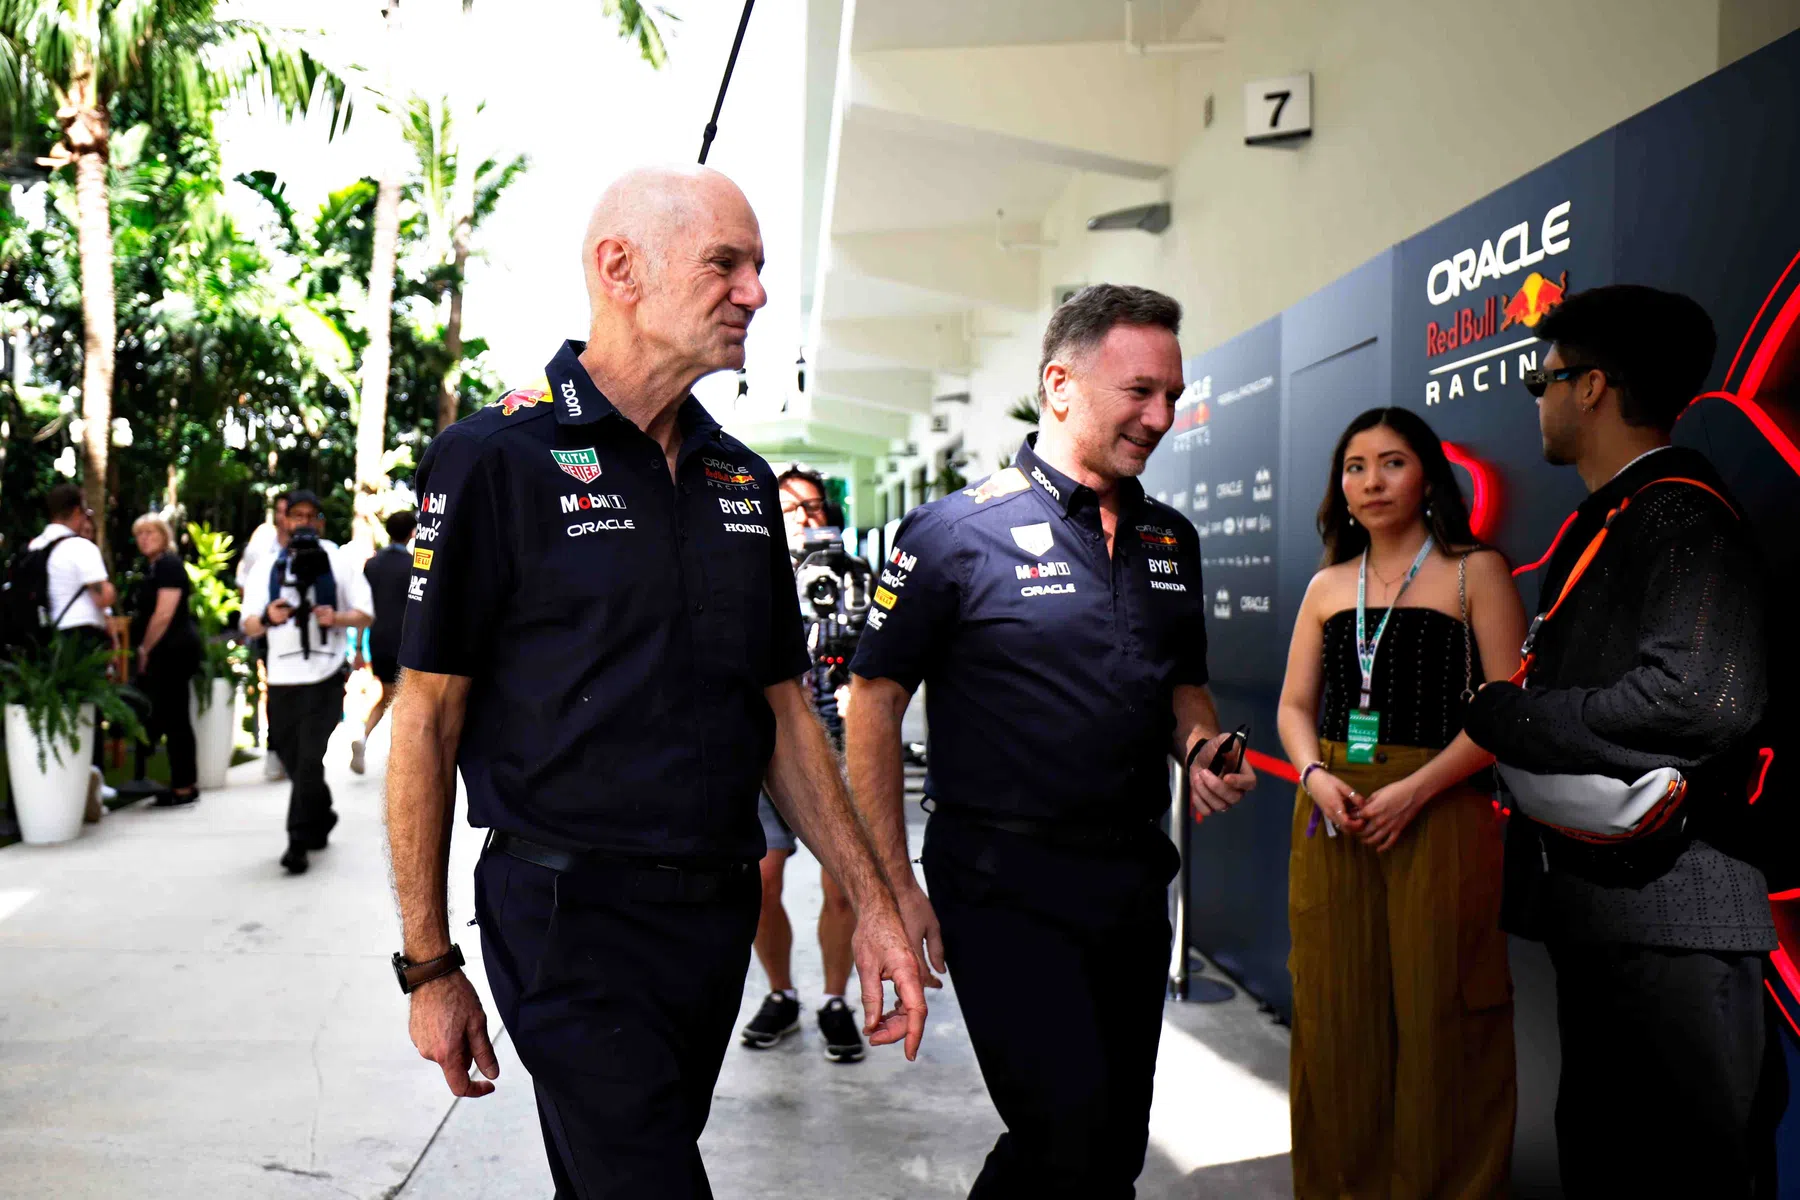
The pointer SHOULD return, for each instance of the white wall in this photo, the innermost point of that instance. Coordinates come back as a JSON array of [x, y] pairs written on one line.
[[1419, 109]]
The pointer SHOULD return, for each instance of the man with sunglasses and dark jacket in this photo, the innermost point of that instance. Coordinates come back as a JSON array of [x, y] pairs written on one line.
[[1656, 658]]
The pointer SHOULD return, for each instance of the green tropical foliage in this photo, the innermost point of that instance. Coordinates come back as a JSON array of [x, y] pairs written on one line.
[[214, 602], [92, 67], [58, 686]]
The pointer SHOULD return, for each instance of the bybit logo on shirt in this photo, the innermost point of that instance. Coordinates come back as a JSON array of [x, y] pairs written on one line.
[[740, 508], [1164, 566]]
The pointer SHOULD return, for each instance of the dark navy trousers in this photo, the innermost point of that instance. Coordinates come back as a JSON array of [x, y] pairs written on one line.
[[1060, 961], [622, 1010]]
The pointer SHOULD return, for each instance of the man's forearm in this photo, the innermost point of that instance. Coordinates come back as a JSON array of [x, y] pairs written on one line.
[[807, 788], [421, 797], [1196, 719], [877, 781]]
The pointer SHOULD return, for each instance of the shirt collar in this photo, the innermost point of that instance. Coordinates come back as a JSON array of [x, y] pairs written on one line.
[[579, 402], [1629, 478], [1062, 491]]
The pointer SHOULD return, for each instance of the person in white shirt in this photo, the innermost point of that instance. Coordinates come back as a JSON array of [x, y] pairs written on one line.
[[265, 539], [268, 538], [306, 598], [80, 596]]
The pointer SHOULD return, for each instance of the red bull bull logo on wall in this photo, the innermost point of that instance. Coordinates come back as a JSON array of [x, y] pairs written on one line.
[[1534, 299]]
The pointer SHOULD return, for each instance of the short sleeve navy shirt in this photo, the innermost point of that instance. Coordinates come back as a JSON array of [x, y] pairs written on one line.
[[1050, 666], [618, 626]]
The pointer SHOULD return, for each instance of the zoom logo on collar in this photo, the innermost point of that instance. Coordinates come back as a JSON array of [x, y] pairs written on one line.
[[571, 398], [1044, 482]]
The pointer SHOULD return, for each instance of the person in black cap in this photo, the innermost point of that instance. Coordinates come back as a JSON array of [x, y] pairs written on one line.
[[1657, 657], [603, 635], [306, 598], [1057, 616]]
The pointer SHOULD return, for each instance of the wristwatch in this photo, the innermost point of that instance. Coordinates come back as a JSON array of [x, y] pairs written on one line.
[[413, 976]]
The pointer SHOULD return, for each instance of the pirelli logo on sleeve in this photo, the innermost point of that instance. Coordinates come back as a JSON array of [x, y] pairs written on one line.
[[422, 560], [885, 598]]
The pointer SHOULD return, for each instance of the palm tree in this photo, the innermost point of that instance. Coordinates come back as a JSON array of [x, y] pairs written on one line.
[[76, 58], [637, 24], [454, 199]]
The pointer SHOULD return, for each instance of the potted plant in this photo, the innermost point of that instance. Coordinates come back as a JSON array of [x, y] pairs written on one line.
[[51, 692], [224, 664]]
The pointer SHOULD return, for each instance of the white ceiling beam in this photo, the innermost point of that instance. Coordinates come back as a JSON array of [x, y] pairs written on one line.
[[901, 389], [1087, 106], [931, 343], [959, 262]]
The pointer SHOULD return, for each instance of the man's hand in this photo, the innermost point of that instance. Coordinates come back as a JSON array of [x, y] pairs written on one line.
[[922, 929], [449, 1027], [1209, 793], [278, 612], [883, 953], [325, 615], [143, 658]]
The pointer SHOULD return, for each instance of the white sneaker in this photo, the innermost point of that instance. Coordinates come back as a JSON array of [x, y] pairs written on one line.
[[273, 771], [356, 756]]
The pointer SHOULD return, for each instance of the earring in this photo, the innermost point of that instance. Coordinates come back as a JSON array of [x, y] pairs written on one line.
[[1428, 510], [1352, 520]]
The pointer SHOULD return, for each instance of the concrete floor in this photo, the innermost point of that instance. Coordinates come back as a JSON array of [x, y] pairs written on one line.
[[177, 1017]]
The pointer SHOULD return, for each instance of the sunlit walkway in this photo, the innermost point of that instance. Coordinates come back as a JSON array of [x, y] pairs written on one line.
[[177, 1017]]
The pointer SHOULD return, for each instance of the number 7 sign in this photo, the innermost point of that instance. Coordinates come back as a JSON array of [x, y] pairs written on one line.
[[1277, 110]]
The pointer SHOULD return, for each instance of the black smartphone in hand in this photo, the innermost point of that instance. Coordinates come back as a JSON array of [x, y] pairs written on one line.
[[1230, 754]]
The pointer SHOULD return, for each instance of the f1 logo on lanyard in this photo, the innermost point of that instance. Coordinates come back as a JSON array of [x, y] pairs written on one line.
[[1365, 723]]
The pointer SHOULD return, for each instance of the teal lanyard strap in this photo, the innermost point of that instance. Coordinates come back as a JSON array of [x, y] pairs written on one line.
[[1366, 649]]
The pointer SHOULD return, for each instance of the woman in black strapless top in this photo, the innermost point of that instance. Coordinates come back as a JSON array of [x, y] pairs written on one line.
[[1401, 1081]]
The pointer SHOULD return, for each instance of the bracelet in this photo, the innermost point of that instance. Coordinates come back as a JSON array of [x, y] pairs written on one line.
[[1306, 772]]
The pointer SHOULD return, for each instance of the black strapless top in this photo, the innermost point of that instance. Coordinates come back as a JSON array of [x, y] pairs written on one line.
[[1418, 682]]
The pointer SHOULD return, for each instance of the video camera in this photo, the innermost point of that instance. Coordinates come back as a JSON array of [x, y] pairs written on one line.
[[835, 588], [307, 563]]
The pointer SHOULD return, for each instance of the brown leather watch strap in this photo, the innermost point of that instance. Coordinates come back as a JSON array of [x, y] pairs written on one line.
[[413, 976]]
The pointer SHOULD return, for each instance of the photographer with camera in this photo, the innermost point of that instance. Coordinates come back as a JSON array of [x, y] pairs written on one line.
[[833, 592], [305, 600]]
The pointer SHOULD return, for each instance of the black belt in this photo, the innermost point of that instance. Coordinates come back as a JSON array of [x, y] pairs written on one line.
[[1071, 834], [629, 878]]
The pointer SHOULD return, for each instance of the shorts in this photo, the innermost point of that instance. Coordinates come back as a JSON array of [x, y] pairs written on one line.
[[775, 830], [386, 667]]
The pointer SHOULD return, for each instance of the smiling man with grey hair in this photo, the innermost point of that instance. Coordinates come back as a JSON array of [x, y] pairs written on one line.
[[603, 636]]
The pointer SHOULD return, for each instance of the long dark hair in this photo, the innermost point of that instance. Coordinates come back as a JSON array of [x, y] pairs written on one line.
[[1447, 511]]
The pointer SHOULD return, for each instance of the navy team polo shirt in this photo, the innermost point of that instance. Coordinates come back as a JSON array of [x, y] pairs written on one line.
[[618, 627], [1050, 667]]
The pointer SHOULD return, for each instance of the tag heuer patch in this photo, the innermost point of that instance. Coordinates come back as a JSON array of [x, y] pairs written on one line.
[[1034, 540], [582, 464]]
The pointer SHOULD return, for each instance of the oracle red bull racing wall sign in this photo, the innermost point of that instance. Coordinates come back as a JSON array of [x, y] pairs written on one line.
[[1519, 247]]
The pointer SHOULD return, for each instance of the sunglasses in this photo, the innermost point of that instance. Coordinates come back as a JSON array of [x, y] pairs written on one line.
[[1538, 382]]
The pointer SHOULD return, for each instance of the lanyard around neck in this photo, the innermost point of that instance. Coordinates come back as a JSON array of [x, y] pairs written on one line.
[[1365, 648]]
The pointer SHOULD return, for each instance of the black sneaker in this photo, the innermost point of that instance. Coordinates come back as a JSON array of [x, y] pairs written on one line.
[[778, 1017], [843, 1040], [294, 861]]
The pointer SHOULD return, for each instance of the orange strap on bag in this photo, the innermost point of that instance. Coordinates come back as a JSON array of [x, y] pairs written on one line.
[[1526, 656]]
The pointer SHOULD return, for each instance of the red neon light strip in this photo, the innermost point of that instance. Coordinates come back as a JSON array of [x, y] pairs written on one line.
[[1482, 509], [1782, 444], [1768, 758], [1280, 768], [1776, 996], [1765, 354], [1790, 894], [1751, 331], [1554, 543]]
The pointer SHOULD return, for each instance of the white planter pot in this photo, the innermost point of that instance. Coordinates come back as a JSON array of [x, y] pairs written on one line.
[[215, 733], [48, 803]]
